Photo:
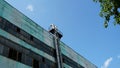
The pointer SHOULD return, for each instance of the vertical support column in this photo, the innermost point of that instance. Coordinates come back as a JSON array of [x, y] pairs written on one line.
[[58, 52], [57, 36]]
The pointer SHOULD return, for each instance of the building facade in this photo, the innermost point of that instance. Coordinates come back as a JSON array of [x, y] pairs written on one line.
[[24, 44]]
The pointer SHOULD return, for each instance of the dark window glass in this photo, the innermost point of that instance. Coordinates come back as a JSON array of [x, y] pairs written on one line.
[[18, 29], [43, 59], [1, 49], [35, 63], [53, 65], [63, 60], [31, 38], [0, 19], [28, 60], [5, 51], [19, 56], [2, 23], [13, 54]]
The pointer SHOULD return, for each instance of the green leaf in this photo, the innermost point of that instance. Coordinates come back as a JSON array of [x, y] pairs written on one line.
[[105, 24]]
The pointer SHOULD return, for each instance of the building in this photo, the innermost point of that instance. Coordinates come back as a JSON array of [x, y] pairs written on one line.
[[24, 44]]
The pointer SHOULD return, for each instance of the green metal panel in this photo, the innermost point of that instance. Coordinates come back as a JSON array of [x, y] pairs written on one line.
[[8, 63], [24, 44], [23, 22], [67, 51]]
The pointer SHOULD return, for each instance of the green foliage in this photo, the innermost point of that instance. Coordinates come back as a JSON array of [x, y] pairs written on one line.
[[109, 8]]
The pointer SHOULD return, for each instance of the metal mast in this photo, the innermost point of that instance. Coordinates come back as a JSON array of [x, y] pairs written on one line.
[[57, 36]]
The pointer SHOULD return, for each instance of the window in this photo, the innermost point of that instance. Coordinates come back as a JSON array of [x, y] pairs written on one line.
[[53, 65], [18, 29], [0, 19], [1, 49], [13, 54], [19, 56], [35, 63], [31, 38], [5, 51], [2, 23], [43, 59], [63, 60]]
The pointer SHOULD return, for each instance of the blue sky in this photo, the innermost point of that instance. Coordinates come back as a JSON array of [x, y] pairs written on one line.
[[81, 25]]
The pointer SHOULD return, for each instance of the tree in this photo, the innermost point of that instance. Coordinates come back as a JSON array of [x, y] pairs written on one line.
[[109, 9]]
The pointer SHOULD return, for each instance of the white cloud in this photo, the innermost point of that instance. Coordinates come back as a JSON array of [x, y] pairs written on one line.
[[118, 57], [107, 63], [30, 7]]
